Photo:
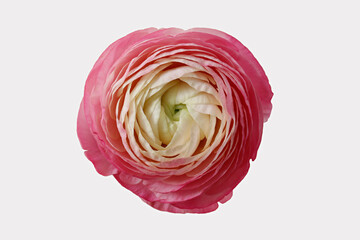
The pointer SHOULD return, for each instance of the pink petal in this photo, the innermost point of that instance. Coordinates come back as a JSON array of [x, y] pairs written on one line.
[[226, 198], [168, 207], [88, 143]]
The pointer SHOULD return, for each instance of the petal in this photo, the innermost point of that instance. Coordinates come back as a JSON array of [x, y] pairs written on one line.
[[89, 144], [168, 207], [226, 198]]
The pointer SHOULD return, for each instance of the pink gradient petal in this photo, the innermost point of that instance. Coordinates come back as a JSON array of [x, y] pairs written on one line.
[[89, 144]]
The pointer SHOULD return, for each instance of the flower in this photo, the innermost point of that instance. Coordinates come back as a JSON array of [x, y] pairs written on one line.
[[175, 116]]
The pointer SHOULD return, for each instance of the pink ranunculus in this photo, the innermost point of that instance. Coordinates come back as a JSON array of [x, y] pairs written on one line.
[[175, 116]]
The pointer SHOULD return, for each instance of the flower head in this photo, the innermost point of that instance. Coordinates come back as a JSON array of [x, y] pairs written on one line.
[[175, 116]]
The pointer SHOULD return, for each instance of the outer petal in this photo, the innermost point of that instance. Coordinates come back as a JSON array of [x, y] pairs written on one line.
[[226, 198], [89, 144], [217, 192], [168, 207]]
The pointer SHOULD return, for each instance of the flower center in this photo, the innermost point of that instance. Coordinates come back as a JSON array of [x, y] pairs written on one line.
[[173, 109], [175, 112]]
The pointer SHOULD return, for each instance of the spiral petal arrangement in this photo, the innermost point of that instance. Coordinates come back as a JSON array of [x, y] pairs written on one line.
[[175, 116]]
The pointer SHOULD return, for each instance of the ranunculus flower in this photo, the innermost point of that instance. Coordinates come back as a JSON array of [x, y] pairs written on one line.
[[175, 116]]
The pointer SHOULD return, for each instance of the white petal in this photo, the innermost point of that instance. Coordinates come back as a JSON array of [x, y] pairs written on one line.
[[207, 109], [202, 98]]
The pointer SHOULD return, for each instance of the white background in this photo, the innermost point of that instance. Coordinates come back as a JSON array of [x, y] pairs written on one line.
[[304, 183]]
